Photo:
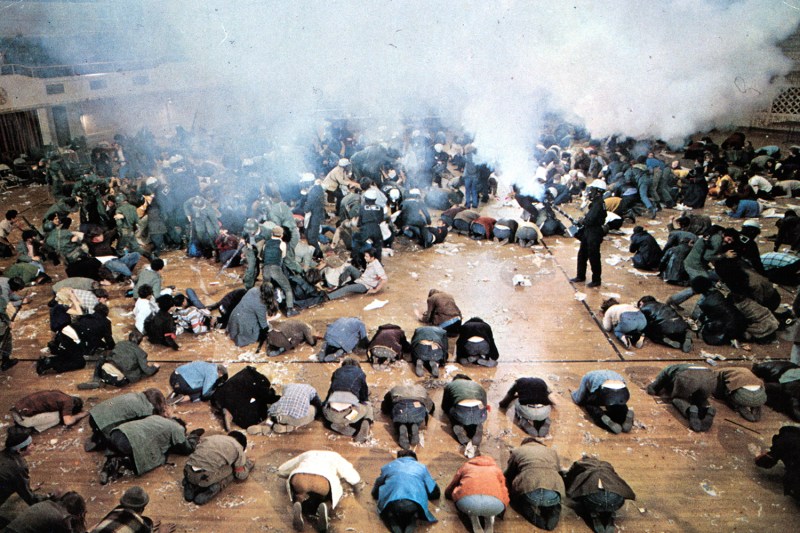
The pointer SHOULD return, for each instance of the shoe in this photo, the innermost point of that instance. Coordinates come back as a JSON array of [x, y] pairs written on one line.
[[205, 496], [363, 432], [626, 342], [577, 279], [592, 284], [640, 342], [434, 369], [297, 516], [344, 429], [419, 368], [8, 363], [322, 517], [653, 213], [615, 428], [188, 491], [687, 344], [461, 434], [402, 439], [90, 445], [282, 428], [414, 434], [706, 421], [489, 524], [628, 424], [89, 385], [174, 398], [275, 353], [292, 312], [694, 418]]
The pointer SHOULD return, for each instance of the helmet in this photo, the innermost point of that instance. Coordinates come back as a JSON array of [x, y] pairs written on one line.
[[48, 226], [599, 184], [119, 198], [251, 225], [371, 194], [343, 162], [198, 202]]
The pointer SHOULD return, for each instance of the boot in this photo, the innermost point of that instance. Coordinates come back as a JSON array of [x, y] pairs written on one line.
[[363, 432], [402, 439], [205, 496]]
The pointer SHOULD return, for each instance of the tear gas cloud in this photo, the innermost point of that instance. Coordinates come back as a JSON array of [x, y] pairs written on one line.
[[655, 70]]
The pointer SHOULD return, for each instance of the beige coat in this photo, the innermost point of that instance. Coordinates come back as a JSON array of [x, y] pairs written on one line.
[[329, 465]]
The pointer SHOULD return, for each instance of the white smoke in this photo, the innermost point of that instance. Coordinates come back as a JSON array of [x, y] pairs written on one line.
[[642, 69]]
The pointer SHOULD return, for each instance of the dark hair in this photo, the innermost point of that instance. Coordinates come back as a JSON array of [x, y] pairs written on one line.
[[732, 201], [135, 336], [638, 229], [100, 293], [179, 300], [240, 438], [156, 398], [268, 298], [461, 376], [101, 309], [350, 361], [76, 506], [156, 264], [15, 435], [77, 405], [29, 234], [11, 214], [371, 251], [646, 300], [406, 453], [165, 303], [607, 304], [16, 283], [145, 291], [701, 284], [683, 221]]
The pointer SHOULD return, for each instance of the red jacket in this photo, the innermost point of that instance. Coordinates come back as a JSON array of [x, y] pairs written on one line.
[[479, 475]]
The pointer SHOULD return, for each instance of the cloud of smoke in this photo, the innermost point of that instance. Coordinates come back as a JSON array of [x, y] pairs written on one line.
[[660, 70]]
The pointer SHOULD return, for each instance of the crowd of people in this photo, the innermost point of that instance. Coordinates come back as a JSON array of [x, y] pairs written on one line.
[[320, 232]]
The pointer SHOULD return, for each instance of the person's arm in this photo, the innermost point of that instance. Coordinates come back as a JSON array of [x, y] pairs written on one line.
[[71, 420], [509, 397], [379, 287], [448, 492]]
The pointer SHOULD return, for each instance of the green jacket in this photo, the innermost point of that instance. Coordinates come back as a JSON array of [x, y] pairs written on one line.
[[152, 438]]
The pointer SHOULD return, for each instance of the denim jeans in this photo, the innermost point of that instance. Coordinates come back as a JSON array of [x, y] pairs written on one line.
[[124, 265], [480, 505], [602, 501], [631, 323], [471, 192]]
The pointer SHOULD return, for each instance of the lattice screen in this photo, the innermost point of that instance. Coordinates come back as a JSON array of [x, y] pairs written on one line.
[[788, 102]]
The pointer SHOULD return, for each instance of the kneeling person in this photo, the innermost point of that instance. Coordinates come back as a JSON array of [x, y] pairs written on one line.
[[217, 460]]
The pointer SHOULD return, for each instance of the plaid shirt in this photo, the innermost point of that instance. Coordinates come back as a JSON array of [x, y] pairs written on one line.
[[295, 401], [87, 299], [772, 260], [122, 520]]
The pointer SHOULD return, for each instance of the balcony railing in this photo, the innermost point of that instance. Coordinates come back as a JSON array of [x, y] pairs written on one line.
[[83, 69]]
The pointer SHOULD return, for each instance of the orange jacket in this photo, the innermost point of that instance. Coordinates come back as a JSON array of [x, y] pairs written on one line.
[[479, 475]]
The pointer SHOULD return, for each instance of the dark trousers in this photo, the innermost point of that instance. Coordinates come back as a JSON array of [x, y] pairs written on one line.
[[590, 251], [401, 516]]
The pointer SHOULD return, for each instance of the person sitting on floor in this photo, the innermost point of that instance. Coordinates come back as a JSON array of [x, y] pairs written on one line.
[[140, 446], [536, 487], [689, 387], [347, 407], [46, 409], [464, 402], [605, 395], [160, 327], [533, 403], [429, 345], [214, 464], [786, 448], [646, 250], [371, 281], [475, 344], [196, 381], [64, 514], [409, 407], [14, 476], [313, 480], [342, 337], [297, 407], [403, 489], [599, 491]]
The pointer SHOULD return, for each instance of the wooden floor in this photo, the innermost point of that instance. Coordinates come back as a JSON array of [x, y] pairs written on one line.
[[684, 481]]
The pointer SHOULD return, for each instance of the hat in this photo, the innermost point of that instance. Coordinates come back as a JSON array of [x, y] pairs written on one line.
[[749, 398], [394, 194], [599, 184], [438, 147], [343, 162], [198, 201], [307, 177], [152, 180], [18, 438], [251, 225], [277, 231], [134, 497], [120, 198], [371, 194], [752, 223], [553, 191], [414, 192]]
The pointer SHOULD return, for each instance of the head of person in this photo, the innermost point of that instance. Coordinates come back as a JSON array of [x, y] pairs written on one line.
[[156, 264], [350, 361], [16, 284], [145, 291], [370, 196], [165, 302], [644, 300], [462, 376], [239, 437], [701, 284], [157, 400], [268, 298], [370, 255], [180, 301], [222, 373], [751, 229], [76, 507], [277, 232], [135, 499], [101, 295], [11, 214], [732, 202], [683, 222], [135, 336], [638, 229], [18, 440], [101, 310], [77, 405], [406, 453], [607, 304]]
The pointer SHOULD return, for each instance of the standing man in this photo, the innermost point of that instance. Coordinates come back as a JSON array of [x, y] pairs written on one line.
[[272, 259], [337, 181], [592, 236]]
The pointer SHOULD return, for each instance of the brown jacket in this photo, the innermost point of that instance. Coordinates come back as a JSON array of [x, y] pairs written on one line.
[[441, 308], [585, 475], [534, 466]]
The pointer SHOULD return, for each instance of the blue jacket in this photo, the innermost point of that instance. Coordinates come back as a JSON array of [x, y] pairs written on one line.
[[199, 374], [746, 209], [405, 479]]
